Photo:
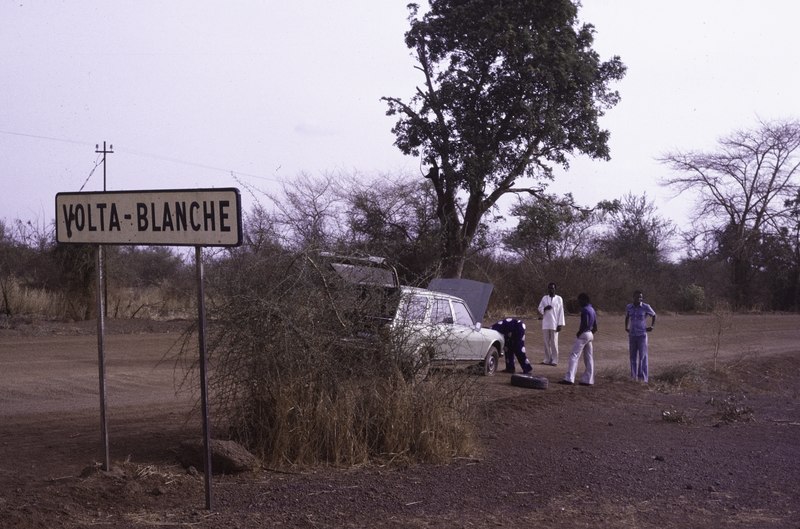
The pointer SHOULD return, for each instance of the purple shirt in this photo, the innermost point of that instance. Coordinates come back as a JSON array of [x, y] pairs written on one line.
[[588, 319], [638, 318]]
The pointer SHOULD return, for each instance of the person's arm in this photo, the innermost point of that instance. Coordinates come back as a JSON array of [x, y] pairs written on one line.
[[541, 307], [627, 322], [652, 322], [560, 320]]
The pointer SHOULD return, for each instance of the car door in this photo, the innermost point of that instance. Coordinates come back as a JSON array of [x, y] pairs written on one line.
[[412, 325], [454, 331], [472, 344]]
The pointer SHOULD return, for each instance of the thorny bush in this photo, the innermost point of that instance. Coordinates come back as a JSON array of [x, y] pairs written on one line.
[[305, 370]]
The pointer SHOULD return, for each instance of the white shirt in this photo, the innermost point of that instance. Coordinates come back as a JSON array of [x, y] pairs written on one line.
[[555, 316]]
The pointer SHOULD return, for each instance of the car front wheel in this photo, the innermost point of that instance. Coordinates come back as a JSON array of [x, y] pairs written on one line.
[[420, 364], [491, 361]]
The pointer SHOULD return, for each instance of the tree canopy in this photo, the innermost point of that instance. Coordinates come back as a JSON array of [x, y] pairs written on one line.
[[638, 235], [551, 227], [509, 88]]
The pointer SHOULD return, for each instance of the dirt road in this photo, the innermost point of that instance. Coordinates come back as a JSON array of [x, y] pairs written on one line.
[[605, 456]]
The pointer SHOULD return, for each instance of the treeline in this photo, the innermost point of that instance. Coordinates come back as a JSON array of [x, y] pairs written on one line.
[[607, 251]]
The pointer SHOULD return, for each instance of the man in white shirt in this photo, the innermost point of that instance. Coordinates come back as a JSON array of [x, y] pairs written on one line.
[[551, 309]]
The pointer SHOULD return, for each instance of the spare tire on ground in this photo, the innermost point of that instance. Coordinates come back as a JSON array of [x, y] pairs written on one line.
[[528, 381]]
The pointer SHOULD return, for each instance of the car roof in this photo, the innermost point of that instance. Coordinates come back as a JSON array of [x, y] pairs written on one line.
[[407, 290]]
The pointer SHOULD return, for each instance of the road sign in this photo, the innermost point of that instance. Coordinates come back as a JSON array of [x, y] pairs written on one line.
[[182, 217]]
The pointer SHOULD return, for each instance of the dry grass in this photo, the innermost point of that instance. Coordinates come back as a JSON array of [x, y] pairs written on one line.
[[21, 300], [154, 303], [683, 376], [379, 420]]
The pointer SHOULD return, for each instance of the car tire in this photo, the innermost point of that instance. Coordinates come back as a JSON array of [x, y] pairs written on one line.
[[529, 381], [421, 367], [491, 361]]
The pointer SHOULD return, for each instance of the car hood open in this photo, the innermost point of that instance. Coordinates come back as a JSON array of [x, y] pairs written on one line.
[[474, 293]]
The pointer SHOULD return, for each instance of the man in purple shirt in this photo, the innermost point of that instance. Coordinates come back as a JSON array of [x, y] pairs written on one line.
[[636, 314], [583, 344]]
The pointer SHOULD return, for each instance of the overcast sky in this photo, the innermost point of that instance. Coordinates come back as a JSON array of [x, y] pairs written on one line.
[[199, 93]]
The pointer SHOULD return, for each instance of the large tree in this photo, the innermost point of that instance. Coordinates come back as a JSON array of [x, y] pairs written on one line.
[[550, 228], [509, 88], [637, 235], [744, 192]]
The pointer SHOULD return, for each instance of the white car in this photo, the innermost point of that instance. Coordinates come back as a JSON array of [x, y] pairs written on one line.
[[432, 326], [443, 326]]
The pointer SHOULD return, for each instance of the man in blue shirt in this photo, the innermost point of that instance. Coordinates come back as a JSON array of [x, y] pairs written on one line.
[[583, 344], [636, 314]]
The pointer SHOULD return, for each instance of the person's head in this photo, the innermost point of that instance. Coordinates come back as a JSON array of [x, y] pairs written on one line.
[[638, 297], [551, 289], [583, 299]]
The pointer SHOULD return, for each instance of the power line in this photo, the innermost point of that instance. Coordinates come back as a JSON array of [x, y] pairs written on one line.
[[143, 155], [97, 163], [49, 138], [195, 164]]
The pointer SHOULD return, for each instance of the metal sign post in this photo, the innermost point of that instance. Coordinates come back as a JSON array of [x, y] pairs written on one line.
[[101, 361], [201, 324]]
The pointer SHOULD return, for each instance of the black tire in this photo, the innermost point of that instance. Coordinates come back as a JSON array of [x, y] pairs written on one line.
[[529, 381], [491, 361]]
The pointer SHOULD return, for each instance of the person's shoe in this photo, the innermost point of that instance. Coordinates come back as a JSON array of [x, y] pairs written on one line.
[[565, 382], [552, 363], [508, 370], [528, 372], [585, 384]]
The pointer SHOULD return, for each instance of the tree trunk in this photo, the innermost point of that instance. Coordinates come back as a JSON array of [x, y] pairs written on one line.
[[454, 253], [741, 282], [452, 266], [459, 235]]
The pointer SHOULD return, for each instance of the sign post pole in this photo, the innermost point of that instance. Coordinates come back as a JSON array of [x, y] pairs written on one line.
[[101, 362], [201, 324]]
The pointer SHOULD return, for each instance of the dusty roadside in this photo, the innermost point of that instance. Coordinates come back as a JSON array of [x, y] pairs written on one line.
[[692, 449]]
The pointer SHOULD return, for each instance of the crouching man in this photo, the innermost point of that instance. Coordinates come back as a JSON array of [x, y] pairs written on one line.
[[513, 330]]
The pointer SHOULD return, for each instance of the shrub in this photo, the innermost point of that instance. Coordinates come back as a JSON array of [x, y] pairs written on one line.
[[297, 388], [693, 298]]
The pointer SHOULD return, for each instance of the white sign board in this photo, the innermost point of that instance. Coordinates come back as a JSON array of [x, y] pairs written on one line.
[[183, 217]]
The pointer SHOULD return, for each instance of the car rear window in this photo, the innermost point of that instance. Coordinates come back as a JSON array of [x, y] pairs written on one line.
[[413, 309]]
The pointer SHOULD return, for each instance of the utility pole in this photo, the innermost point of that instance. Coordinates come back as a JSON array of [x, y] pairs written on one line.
[[106, 150], [102, 308], [109, 150]]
